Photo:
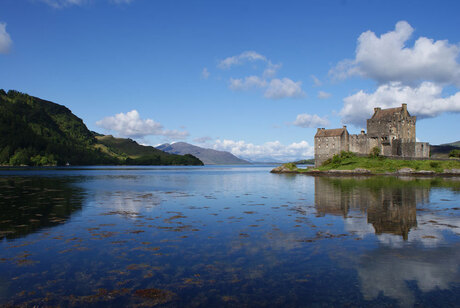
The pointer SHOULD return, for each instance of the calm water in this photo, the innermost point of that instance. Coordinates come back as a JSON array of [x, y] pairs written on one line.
[[226, 236]]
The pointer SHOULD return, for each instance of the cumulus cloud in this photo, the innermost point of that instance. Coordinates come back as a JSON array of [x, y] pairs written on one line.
[[5, 39], [281, 88], [245, 56], [324, 95], [308, 120], [423, 101], [273, 150], [247, 83], [131, 125], [205, 73], [387, 58]]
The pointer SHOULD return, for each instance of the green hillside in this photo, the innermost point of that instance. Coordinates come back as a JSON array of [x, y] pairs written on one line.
[[136, 154], [37, 132], [443, 150]]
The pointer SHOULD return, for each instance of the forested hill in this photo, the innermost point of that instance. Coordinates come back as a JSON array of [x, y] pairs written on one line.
[[132, 153], [38, 132]]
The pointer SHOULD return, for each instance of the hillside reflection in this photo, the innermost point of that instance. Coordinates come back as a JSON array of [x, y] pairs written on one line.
[[33, 203], [390, 203]]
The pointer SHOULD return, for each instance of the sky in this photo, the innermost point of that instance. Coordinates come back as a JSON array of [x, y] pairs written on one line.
[[255, 78]]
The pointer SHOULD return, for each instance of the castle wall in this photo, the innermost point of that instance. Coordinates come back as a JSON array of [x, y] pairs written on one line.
[[391, 130], [407, 149], [359, 144], [422, 149], [398, 126], [326, 147]]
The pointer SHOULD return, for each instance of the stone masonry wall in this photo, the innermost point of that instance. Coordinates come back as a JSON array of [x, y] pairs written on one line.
[[326, 147], [359, 144], [422, 149]]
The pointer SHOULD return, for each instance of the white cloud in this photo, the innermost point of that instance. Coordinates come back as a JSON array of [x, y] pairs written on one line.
[[281, 88], [271, 70], [247, 83], [386, 58], [131, 125], [59, 4], [323, 95], [250, 56], [429, 269], [273, 150], [308, 120], [316, 81], [202, 140], [122, 1], [275, 88], [5, 39], [63, 3], [205, 73], [423, 101]]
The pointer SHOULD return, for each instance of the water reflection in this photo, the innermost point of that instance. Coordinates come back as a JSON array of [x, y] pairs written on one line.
[[400, 273], [228, 238], [32, 203], [389, 203], [414, 256]]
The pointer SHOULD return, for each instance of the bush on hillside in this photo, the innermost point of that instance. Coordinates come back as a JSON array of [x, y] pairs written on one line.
[[454, 153]]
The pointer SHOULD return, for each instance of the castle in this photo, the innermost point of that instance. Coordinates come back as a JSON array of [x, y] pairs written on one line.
[[391, 130]]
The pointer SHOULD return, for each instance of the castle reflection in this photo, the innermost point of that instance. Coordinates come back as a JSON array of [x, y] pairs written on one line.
[[390, 203]]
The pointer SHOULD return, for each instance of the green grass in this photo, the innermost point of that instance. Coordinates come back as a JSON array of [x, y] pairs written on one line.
[[349, 161]]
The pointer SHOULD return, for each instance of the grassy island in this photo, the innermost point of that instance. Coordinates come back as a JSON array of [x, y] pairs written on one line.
[[350, 163]]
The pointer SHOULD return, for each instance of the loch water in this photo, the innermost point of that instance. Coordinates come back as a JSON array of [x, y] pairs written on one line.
[[219, 236]]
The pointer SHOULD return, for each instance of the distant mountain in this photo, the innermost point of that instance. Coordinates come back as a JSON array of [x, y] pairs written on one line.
[[37, 132], [443, 150], [132, 153], [207, 156]]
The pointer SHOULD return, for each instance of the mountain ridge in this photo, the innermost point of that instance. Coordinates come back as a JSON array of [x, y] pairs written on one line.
[[206, 155]]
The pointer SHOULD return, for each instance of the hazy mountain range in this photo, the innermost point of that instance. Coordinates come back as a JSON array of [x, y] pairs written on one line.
[[207, 156]]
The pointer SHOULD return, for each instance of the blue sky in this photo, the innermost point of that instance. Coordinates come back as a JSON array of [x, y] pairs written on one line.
[[252, 77]]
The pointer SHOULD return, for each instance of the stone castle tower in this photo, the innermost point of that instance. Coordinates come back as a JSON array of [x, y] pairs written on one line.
[[391, 130]]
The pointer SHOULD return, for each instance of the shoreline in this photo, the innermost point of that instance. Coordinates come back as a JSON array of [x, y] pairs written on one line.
[[365, 172]]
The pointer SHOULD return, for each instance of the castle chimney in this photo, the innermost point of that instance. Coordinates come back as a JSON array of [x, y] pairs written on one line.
[[376, 109], [362, 132], [344, 127], [404, 107]]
